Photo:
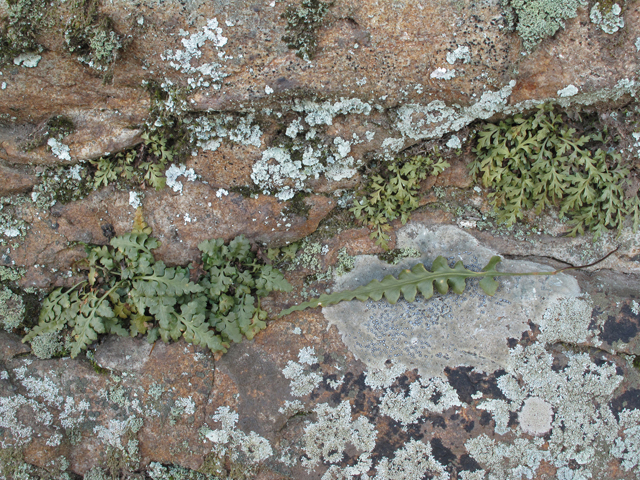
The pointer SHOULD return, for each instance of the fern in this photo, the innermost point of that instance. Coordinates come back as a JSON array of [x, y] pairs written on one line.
[[128, 293], [421, 280], [385, 199], [538, 162]]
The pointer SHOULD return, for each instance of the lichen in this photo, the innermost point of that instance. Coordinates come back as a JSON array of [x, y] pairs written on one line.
[[244, 451], [206, 74], [584, 430], [607, 18], [91, 36], [11, 309], [432, 395], [539, 19], [567, 320], [327, 439], [19, 30], [47, 345], [303, 382], [61, 184]]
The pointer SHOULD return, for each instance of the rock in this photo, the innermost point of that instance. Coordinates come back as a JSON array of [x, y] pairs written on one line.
[[271, 406], [283, 111], [15, 181], [180, 221]]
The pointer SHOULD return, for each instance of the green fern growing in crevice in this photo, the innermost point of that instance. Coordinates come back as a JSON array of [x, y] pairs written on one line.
[[128, 292], [393, 192], [538, 162], [144, 164]]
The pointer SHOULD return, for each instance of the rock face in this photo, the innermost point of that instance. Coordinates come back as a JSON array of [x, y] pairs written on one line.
[[270, 120]]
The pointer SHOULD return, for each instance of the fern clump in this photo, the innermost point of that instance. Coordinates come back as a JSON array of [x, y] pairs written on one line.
[[393, 193], [539, 162], [128, 292], [143, 165]]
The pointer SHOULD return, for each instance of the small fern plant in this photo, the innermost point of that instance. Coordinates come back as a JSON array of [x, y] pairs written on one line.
[[128, 292], [145, 164], [539, 162], [393, 192]]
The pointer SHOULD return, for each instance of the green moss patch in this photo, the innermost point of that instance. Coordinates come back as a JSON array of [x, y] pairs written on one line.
[[302, 23]]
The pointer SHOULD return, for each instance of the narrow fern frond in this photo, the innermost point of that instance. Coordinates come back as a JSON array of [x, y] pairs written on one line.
[[419, 279]]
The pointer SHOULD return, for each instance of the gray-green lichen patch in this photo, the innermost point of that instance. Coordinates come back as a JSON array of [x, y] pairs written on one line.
[[337, 431], [206, 74], [449, 330], [47, 345], [12, 227], [92, 37], [585, 434], [11, 309], [245, 451], [20, 30], [535, 20], [607, 17]]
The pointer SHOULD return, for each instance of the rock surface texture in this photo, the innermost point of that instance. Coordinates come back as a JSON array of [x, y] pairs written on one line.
[[286, 122]]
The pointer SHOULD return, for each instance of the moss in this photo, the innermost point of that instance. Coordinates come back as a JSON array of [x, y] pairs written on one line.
[[397, 254], [20, 29], [336, 222], [63, 184], [297, 206], [92, 37], [60, 126], [636, 362], [223, 467], [57, 127], [247, 191], [302, 23], [96, 367]]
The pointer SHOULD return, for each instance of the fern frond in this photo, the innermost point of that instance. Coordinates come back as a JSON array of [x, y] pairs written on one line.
[[410, 282]]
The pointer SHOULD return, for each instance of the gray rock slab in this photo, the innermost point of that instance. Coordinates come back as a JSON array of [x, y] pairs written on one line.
[[448, 330]]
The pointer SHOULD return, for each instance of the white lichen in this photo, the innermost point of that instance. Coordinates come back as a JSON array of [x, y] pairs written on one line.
[[229, 441], [28, 60], [566, 320], [454, 142], [302, 382], [443, 74], [536, 416], [568, 91], [461, 53], [414, 461], [583, 430], [327, 439], [59, 149], [182, 60], [434, 395], [172, 174], [134, 200]]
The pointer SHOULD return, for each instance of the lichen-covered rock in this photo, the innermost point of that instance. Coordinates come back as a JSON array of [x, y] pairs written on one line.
[[269, 120], [296, 402]]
